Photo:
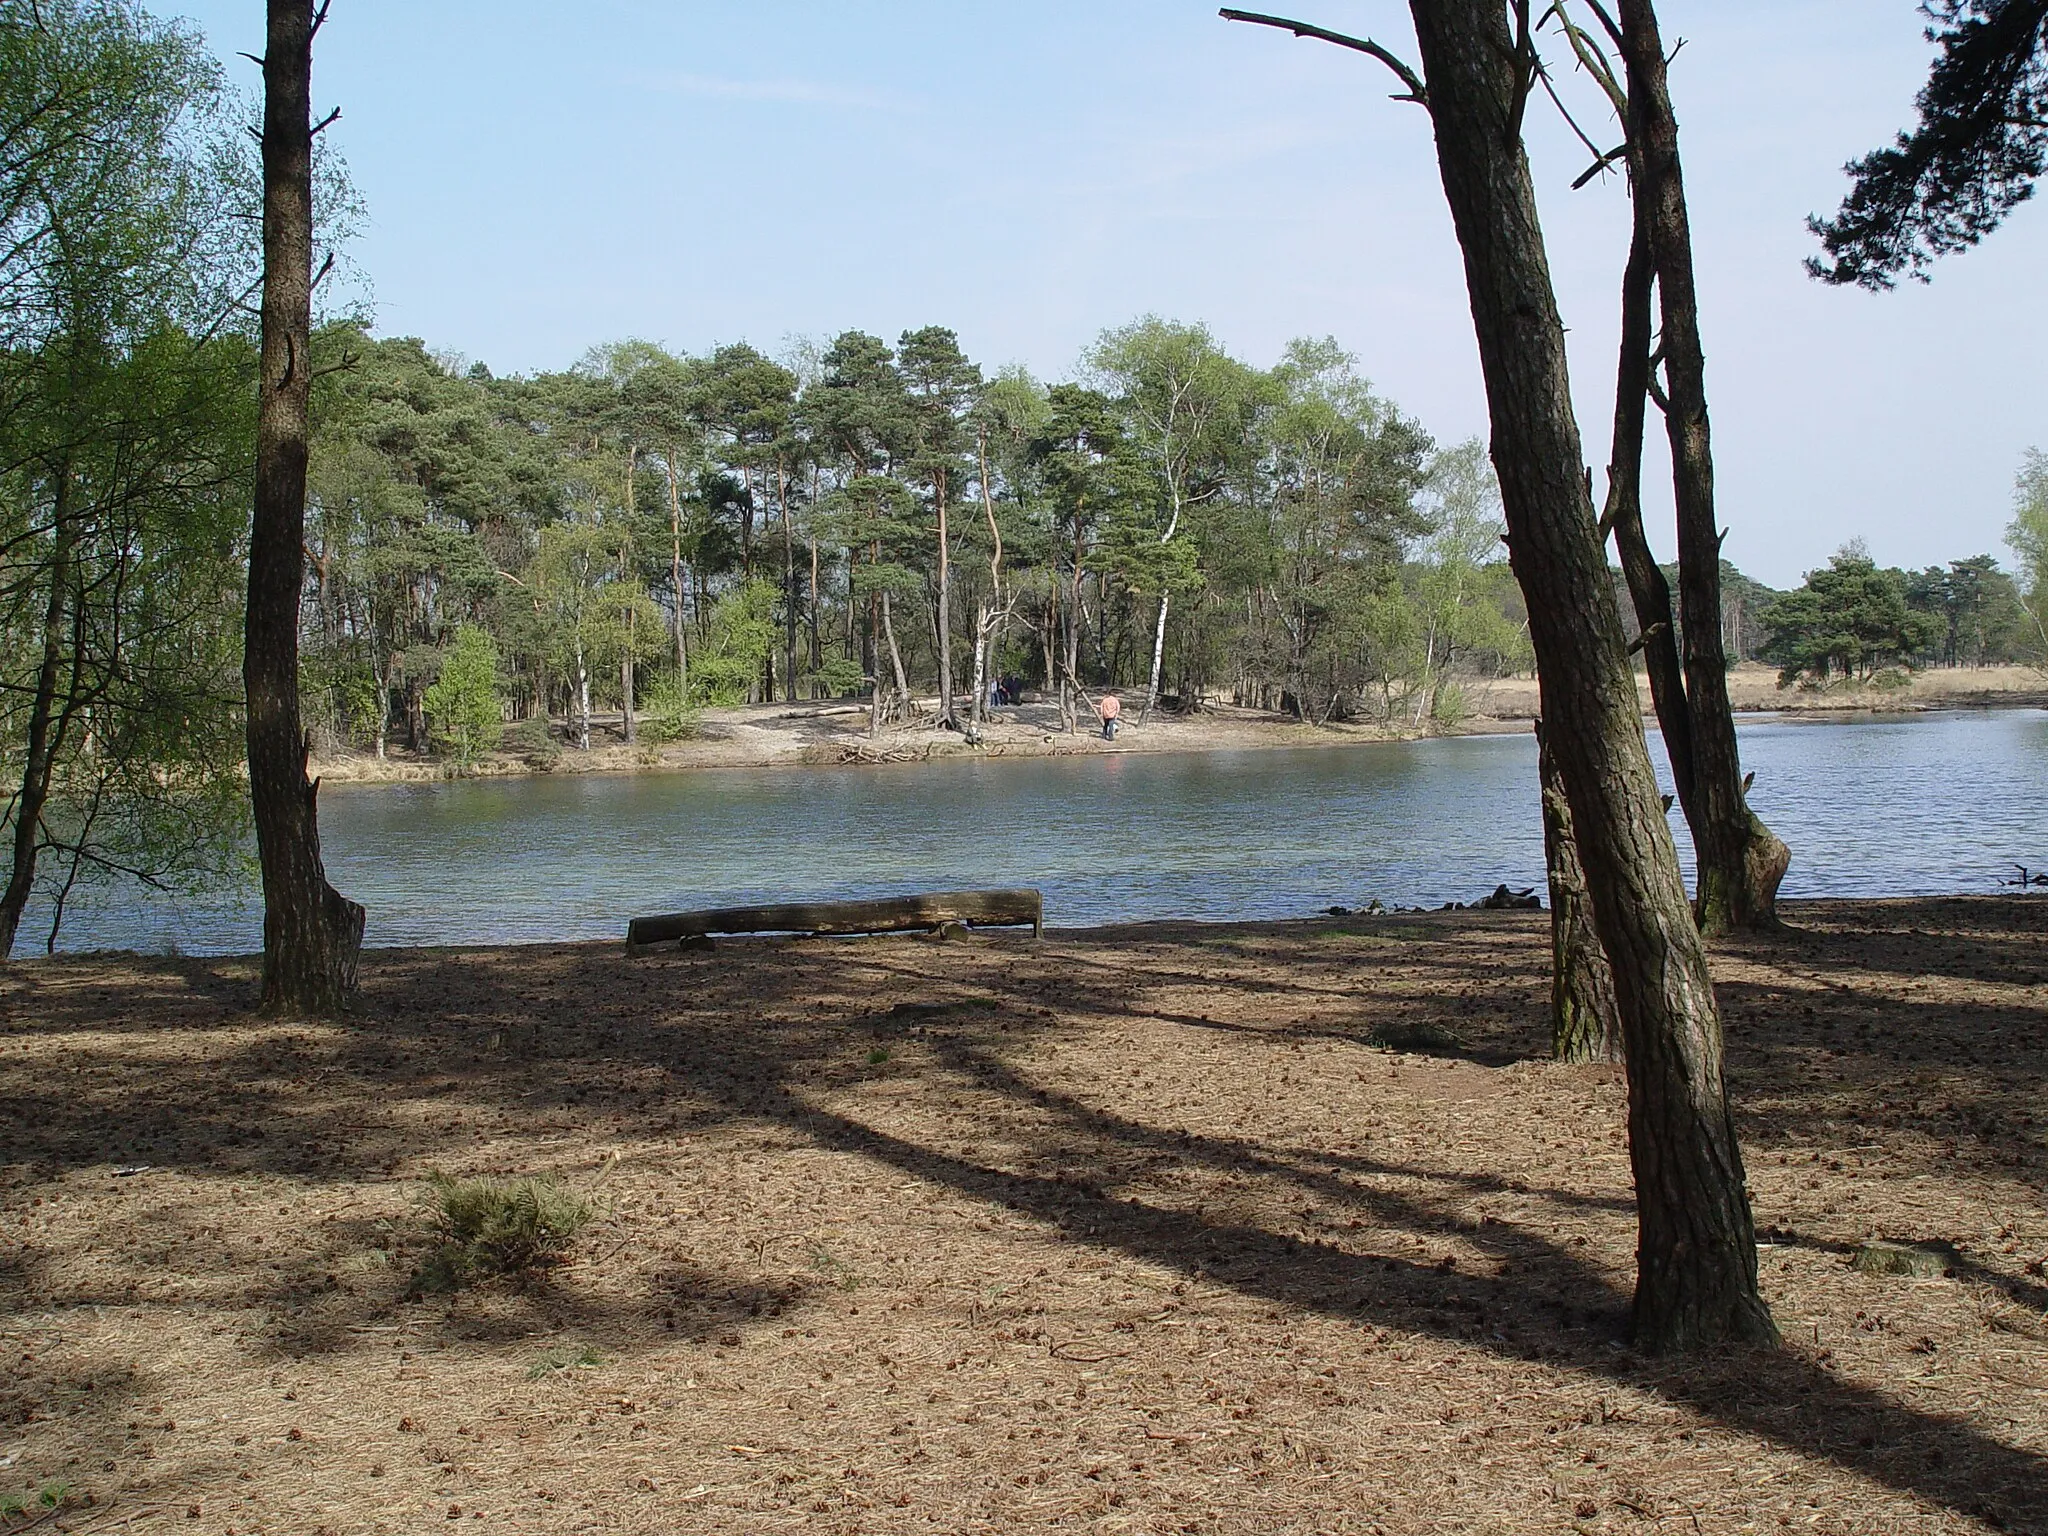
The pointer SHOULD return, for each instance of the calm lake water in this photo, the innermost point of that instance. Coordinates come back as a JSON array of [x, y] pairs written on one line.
[[1909, 806]]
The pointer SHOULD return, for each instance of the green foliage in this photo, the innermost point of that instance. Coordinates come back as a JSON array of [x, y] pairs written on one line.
[[126, 443], [535, 741], [1979, 147], [52, 1495], [1848, 620], [2028, 538], [669, 714], [463, 703], [490, 1227], [567, 1358], [742, 630]]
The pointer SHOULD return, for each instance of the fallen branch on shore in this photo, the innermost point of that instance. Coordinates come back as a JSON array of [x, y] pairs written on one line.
[[933, 911]]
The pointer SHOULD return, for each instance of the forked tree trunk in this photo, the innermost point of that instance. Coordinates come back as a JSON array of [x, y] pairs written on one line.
[[1696, 1278], [1741, 863], [895, 655], [1649, 593], [312, 935], [1583, 1023]]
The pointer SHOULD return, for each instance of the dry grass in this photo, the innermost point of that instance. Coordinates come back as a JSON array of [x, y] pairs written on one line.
[[1130, 1231]]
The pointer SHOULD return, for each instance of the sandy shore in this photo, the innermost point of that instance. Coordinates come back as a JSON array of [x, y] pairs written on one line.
[[1141, 1230], [766, 735]]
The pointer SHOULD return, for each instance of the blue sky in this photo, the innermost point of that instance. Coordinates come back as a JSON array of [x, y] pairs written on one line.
[[542, 177]]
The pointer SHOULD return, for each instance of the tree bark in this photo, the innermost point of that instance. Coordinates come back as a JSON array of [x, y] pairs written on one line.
[[1649, 593], [40, 759], [1158, 654], [946, 718], [1740, 862], [676, 581], [1584, 1025], [788, 583], [1696, 1248], [892, 914], [895, 655], [312, 935]]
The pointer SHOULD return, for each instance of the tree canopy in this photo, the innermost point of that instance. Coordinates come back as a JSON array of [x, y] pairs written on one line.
[[1978, 149]]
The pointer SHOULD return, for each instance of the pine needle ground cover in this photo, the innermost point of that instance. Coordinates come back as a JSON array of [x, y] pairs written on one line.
[[1128, 1231]]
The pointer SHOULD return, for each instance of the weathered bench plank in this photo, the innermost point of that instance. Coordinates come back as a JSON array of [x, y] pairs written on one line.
[[894, 914]]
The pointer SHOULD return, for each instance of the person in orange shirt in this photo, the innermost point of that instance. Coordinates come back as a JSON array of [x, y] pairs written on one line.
[[1111, 707]]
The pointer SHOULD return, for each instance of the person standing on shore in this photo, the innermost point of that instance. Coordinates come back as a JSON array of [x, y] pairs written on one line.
[[1111, 707]]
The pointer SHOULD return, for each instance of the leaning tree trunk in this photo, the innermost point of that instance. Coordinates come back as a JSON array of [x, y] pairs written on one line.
[[1649, 593], [1583, 1023], [1740, 862], [39, 759], [1158, 655], [895, 656], [312, 935], [1696, 1280]]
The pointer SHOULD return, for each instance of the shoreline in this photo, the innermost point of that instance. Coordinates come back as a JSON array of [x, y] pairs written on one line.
[[1155, 930], [834, 734]]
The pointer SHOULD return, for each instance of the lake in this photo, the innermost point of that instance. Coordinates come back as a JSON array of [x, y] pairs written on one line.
[[1916, 805]]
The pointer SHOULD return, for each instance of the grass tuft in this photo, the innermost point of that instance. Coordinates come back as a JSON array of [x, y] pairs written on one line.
[[53, 1495], [490, 1227], [565, 1359]]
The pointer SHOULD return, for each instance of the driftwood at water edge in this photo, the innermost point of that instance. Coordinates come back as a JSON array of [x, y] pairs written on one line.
[[893, 914]]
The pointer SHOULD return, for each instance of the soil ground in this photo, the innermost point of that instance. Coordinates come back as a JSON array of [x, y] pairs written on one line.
[[1131, 1230], [835, 733]]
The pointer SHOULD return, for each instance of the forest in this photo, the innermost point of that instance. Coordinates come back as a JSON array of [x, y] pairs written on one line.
[[653, 530], [649, 532]]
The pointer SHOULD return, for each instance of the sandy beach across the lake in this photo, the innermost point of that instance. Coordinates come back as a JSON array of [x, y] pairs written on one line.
[[1245, 1230], [835, 733]]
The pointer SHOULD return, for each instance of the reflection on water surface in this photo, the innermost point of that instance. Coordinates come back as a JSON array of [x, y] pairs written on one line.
[[1915, 805]]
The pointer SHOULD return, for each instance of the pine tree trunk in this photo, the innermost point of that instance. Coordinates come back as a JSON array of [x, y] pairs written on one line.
[[874, 658], [946, 717], [1649, 593], [789, 605], [1741, 863], [312, 935], [1696, 1281], [676, 578], [626, 723], [1583, 1023]]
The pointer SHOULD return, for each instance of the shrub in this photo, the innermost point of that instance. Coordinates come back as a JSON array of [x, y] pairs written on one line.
[[463, 701], [666, 714], [493, 1227], [839, 678], [535, 741]]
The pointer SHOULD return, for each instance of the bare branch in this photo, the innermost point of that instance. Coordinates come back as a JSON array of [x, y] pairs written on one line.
[[319, 19], [1607, 21], [321, 126], [1599, 158], [1619, 152], [1416, 92]]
